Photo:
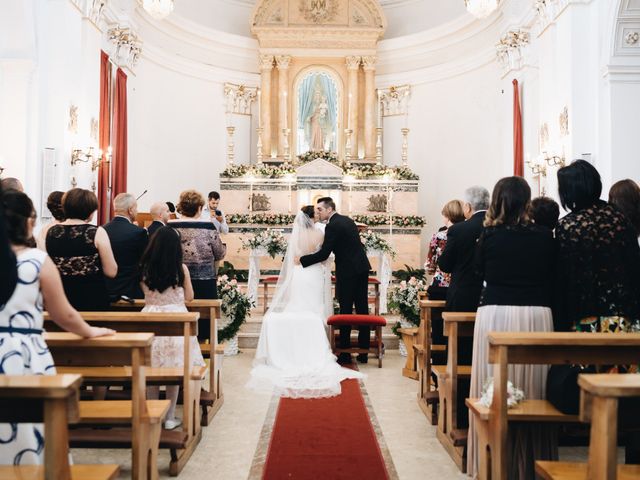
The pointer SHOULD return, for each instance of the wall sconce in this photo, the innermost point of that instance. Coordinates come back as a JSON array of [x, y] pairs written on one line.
[[537, 168], [77, 155], [553, 160]]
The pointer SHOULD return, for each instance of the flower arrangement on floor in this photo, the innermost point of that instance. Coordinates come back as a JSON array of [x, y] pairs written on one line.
[[272, 241], [374, 241], [324, 155], [236, 306], [404, 299]]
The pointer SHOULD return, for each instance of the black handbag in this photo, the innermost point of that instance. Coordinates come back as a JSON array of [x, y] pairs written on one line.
[[562, 387]]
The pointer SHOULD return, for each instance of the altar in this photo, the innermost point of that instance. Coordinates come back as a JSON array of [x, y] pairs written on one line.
[[322, 129]]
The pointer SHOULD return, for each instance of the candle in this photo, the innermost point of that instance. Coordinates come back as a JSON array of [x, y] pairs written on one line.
[[349, 112], [259, 107], [285, 106], [379, 109]]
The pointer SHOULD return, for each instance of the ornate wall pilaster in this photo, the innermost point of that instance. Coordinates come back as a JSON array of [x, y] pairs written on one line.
[[282, 62], [266, 67], [369, 66], [353, 65]]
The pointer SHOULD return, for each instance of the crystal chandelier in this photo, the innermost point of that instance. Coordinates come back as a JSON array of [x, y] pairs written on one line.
[[481, 8], [158, 9]]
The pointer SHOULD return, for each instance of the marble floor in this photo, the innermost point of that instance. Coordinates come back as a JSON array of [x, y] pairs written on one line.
[[229, 444]]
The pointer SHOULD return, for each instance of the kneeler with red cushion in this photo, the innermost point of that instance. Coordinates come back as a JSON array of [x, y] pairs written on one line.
[[375, 322]]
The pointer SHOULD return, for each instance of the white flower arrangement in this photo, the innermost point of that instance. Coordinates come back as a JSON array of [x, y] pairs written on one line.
[[404, 299], [272, 241], [373, 241], [235, 305], [514, 395]]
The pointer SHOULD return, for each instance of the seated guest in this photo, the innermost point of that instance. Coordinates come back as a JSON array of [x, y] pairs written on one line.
[[22, 347], [54, 204], [515, 258], [160, 215], [128, 242], [166, 285], [457, 258], [545, 212], [11, 183], [452, 214], [597, 283], [201, 247], [625, 196], [8, 268], [82, 252]]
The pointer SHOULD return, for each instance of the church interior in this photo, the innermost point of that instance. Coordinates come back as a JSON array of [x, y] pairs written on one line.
[[225, 119]]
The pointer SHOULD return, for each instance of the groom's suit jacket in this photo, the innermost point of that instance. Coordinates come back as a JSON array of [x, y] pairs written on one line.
[[342, 238]]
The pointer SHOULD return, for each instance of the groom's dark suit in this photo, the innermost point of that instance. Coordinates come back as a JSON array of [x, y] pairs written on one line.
[[352, 270]]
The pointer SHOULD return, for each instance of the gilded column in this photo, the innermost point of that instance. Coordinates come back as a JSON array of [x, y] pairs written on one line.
[[353, 64], [266, 65], [282, 62], [369, 66]]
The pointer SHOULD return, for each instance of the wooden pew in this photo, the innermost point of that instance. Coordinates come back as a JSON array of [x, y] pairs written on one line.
[[540, 349], [190, 378], [599, 405], [452, 438], [144, 416], [53, 400], [212, 400], [423, 350]]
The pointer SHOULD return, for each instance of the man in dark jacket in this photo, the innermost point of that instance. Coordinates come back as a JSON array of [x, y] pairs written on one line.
[[458, 256], [352, 270], [128, 242]]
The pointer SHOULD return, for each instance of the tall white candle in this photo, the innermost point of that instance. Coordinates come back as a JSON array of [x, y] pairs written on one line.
[[286, 107], [349, 112], [259, 108]]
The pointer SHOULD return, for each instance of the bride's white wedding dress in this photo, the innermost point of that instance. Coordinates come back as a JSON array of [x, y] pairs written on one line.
[[294, 358]]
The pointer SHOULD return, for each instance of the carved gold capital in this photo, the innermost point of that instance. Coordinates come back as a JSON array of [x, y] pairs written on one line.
[[353, 62], [282, 61], [266, 62], [369, 62]]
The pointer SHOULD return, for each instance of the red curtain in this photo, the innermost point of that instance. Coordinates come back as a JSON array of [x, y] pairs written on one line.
[[518, 155], [104, 139], [120, 135]]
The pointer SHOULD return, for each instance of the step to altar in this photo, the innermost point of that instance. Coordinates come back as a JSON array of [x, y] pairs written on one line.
[[250, 331]]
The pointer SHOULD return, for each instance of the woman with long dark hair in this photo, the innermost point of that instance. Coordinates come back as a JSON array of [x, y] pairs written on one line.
[[515, 260], [166, 284], [625, 196]]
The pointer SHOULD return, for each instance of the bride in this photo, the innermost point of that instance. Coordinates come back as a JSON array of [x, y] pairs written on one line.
[[294, 358]]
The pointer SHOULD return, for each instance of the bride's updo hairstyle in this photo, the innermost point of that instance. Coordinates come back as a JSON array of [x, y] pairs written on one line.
[[309, 211]]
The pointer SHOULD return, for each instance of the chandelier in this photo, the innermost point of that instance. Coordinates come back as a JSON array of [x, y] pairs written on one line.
[[481, 8], [158, 9]]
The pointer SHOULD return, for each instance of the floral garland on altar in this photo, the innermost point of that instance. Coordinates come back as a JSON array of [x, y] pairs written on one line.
[[357, 170], [272, 241], [404, 299], [236, 306], [285, 219], [374, 242], [311, 156]]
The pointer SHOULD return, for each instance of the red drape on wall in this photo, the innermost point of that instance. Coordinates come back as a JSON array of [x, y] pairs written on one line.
[[104, 138], [518, 155], [120, 134]]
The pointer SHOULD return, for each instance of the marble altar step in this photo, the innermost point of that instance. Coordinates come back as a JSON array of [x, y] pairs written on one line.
[[250, 331]]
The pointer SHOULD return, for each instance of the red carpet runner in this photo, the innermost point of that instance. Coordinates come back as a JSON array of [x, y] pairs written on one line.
[[324, 438]]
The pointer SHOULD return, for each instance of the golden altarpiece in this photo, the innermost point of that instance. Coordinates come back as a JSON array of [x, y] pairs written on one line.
[[320, 127]]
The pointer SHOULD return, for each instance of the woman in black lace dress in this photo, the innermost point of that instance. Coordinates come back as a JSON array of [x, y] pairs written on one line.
[[82, 252], [598, 264]]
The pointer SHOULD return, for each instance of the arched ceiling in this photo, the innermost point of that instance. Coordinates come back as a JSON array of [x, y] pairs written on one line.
[[403, 16]]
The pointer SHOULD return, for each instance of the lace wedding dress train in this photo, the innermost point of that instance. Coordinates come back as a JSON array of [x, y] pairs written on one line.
[[294, 358]]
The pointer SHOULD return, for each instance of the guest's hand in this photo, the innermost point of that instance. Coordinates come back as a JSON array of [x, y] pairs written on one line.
[[100, 332], [296, 260], [219, 218]]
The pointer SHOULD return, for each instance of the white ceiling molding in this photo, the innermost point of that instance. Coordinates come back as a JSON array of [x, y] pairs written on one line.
[[621, 73]]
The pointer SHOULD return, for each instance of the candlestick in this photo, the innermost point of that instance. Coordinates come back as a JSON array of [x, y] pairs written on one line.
[[259, 153], [378, 145], [349, 112], [379, 109], [230, 145], [405, 145]]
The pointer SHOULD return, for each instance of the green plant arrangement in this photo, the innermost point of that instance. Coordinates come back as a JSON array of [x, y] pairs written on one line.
[[236, 306], [373, 241], [324, 155], [406, 273], [272, 241], [404, 300]]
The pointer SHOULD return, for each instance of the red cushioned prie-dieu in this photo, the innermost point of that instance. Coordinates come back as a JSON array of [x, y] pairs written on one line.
[[357, 320]]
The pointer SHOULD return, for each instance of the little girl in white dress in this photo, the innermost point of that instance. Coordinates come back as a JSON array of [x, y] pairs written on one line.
[[166, 285]]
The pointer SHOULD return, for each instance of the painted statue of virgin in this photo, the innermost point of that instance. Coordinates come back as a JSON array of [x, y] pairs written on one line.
[[317, 123]]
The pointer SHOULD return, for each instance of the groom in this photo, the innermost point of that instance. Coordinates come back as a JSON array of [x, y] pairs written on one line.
[[352, 270]]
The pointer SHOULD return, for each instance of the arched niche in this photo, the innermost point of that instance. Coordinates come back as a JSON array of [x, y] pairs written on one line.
[[305, 108]]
